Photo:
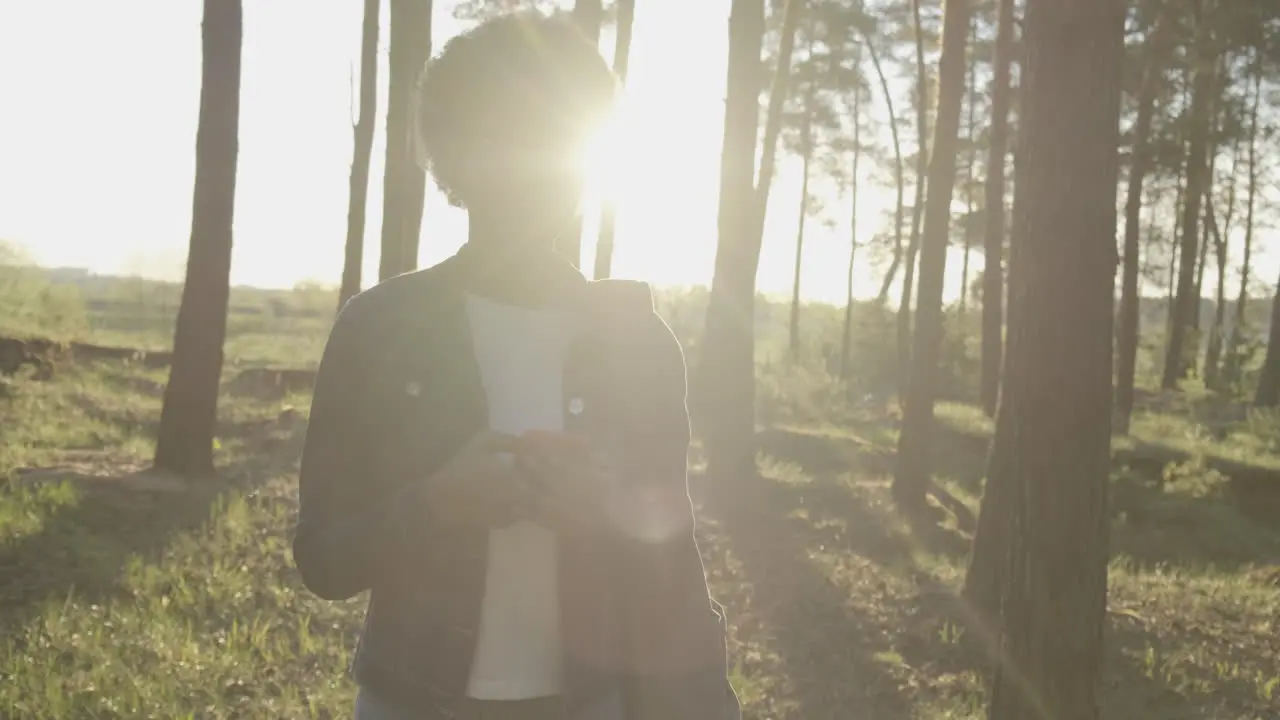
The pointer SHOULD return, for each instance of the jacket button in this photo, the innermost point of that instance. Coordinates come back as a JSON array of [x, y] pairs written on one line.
[[575, 406]]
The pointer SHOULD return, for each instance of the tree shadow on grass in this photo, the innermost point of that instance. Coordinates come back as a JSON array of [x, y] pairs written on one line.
[[119, 510], [828, 652], [831, 461]]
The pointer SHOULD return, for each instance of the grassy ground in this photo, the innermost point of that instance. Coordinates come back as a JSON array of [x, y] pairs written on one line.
[[125, 595]]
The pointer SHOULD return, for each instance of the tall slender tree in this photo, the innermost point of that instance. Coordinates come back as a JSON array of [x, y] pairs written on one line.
[[621, 64], [917, 208], [806, 160], [362, 149], [912, 477], [404, 182], [1053, 427], [970, 160], [1178, 356], [726, 371], [188, 418], [899, 171], [1234, 359], [589, 15], [1158, 45], [993, 197], [846, 341]]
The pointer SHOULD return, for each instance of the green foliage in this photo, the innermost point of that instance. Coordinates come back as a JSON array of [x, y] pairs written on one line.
[[30, 303]]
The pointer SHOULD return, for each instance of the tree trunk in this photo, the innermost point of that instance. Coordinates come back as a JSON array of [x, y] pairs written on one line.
[[727, 366], [1221, 235], [917, 210], [1054, 427], [899, 172], [1213, 350], [970, 159], [609, 211], [589, 14], [994, 190], [404, 182], [188, 418], [1234, 360], [806, 158], [1155, 52], [1174, 269], [914, 443], [1178, 356], [846, 344], [353, 262], [1268, 394]]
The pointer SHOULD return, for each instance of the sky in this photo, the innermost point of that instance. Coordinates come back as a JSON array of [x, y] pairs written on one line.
[[98, 110]]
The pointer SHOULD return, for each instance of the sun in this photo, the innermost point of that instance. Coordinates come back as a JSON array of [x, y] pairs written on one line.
[[612, 157]]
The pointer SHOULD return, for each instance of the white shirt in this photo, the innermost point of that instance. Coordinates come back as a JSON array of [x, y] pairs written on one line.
[[521, 355]]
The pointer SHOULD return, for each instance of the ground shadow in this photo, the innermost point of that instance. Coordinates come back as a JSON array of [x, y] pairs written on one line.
[[828, 649], [831, 461], [120, 513]]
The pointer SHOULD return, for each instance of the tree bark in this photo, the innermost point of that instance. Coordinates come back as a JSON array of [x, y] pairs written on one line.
[[404, 182], [806, 158], [1232, 368], [727, 366], [1268, 394], [589, 14], [971, 151], [362, 149], [188, 417], [1155, 52], [914, 444], [1221, 235], [899, 173], [1178, 359], [917, 209], [609, 212], [1213, 349], [994, 192], [846, 344], [1054, 423]]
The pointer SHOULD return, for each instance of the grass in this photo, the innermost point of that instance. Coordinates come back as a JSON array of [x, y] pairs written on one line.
[[124, 595]]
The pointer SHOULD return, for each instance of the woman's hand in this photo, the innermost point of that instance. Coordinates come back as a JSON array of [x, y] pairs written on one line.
[[481, 484]]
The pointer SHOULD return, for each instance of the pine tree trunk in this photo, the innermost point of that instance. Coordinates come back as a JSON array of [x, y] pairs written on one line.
[[846, 344], [1268, 394], [404, 182], [1054, 426], [1213, 351], [589, 14], [727, 366], [1232, 370], [1174, 269], [358, 193], [915, 440], [970, 159], [899, 171], [917, 209], [188, 418], [994, 202], [806, 158], [1129, 298], [609, 212], [1179, 353]]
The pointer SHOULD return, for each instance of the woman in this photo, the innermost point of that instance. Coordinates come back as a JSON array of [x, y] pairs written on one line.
[[497, 448]]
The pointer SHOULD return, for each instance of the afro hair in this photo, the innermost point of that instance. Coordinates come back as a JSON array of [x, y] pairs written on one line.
[[518, 85]]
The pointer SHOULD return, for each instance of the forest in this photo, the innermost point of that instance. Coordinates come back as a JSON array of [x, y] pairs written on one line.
[[1054, 494]]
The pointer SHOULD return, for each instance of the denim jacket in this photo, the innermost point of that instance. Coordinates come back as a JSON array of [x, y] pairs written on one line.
[[397, 394]]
